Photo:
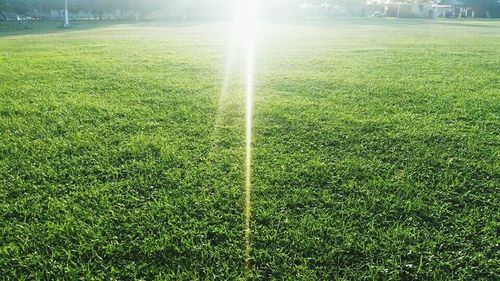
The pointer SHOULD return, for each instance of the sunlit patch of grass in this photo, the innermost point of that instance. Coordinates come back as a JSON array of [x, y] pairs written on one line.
[[375, 152]]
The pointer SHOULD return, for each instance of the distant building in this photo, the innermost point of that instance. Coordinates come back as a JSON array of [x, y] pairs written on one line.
[[316, 10]]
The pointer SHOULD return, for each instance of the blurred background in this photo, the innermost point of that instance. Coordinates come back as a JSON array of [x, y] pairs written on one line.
[[141, 10]]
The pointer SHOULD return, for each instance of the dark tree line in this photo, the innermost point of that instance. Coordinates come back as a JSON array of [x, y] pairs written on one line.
[[98, 6], [186, 7], [144, 6]]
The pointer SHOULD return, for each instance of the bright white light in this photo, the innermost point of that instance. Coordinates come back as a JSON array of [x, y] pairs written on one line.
[[245, 17], [245, 25]]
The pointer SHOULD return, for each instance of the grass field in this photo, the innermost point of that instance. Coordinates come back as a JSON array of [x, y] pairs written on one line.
[[375, 142]]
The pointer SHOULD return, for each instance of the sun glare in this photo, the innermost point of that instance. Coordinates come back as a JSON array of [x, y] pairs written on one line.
[[245, 25]]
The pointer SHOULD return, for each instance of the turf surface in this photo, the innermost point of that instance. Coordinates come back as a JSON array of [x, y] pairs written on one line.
[[376, 151]]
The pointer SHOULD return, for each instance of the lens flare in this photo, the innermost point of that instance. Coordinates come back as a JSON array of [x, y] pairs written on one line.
[[245, 24]]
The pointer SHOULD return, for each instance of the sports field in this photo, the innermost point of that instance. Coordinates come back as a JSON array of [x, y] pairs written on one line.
[[375, 142]]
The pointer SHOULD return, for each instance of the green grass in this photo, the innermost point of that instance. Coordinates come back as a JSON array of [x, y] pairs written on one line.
[[376, 152]]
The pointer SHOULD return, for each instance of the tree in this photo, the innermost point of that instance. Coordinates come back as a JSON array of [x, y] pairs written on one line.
[[47, 5], [3, 6], [22, 7]]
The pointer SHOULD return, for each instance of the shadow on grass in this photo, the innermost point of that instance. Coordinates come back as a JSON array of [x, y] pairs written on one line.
[[488, 23], [15, 28], [394, 22]]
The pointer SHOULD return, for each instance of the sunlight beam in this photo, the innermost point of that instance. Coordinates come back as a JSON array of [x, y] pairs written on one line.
[[245, 24]]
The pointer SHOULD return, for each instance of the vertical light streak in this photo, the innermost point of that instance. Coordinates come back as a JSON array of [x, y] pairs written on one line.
[[247, 22], [248, 150], [228, 69]]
